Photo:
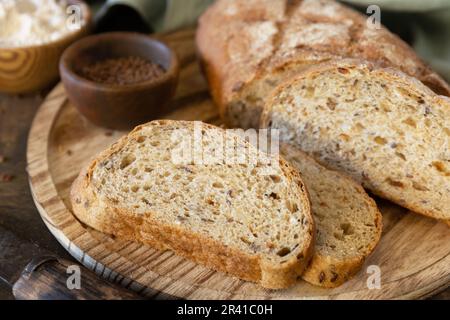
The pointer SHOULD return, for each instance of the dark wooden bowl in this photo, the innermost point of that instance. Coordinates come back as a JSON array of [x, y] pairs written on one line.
[[119, 107], [31, 68]]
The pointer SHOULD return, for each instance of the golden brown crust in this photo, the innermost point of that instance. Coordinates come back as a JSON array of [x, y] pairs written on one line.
[[394, 74], [142, 228], [388, 73], [330, 272], [301, 29], [125, 224], [224, 49], [327, 272]]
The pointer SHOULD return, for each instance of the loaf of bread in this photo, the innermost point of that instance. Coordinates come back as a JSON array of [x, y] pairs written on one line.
[[250, 218], [348, 223], [383, 128], [248, 47]]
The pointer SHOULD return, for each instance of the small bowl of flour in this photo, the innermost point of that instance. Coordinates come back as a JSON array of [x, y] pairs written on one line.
[[36, 22], [33, 35]]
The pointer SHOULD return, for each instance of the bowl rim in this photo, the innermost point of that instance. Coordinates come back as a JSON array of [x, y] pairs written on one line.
[[67, 71], [87, 18]]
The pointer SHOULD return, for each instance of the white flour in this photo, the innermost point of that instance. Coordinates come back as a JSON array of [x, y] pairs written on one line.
[[32, 22]]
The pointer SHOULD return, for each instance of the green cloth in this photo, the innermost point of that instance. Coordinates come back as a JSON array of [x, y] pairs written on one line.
[[432, 40], [429, 24]]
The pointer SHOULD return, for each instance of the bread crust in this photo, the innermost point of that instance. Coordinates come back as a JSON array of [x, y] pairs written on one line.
[[221, 36], [327, 271], [225, 76], [388, 73], [110, 218]]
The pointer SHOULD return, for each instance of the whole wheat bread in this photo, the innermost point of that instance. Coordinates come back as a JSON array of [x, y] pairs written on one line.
[[383, 128], [348, 223], [250, 220], [248, 47]]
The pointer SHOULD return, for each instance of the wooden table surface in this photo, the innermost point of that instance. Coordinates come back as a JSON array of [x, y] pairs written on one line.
[[17, 211]]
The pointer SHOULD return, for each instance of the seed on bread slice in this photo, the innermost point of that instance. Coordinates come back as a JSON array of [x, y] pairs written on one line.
[[383, 128], [250, 219], [348, 223]]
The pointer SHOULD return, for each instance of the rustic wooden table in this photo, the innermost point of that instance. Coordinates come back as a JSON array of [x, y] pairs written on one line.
[[17, 211]]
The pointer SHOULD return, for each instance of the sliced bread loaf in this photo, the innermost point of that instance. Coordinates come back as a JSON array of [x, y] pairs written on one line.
[[248, 218], [348, 223], [249, 46], [383, 128]]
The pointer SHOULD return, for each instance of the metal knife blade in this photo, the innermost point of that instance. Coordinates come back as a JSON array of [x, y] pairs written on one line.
[[34, 273]]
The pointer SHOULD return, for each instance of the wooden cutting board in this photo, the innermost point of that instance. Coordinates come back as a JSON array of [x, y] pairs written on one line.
[[413, 255]]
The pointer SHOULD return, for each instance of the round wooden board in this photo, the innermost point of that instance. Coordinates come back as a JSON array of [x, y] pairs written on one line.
[[413, 255]]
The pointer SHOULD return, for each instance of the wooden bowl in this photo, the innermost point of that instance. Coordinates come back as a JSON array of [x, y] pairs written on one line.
[[32, 68], [116, 106]]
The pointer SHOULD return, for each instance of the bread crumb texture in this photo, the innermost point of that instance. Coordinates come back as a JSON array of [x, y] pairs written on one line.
[[254, 213], [383, 128], [348, 223]]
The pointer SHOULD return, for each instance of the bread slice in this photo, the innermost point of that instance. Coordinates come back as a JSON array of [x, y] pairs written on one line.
[[348, 223], [248, 47], [247, 217], [383, 128]]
